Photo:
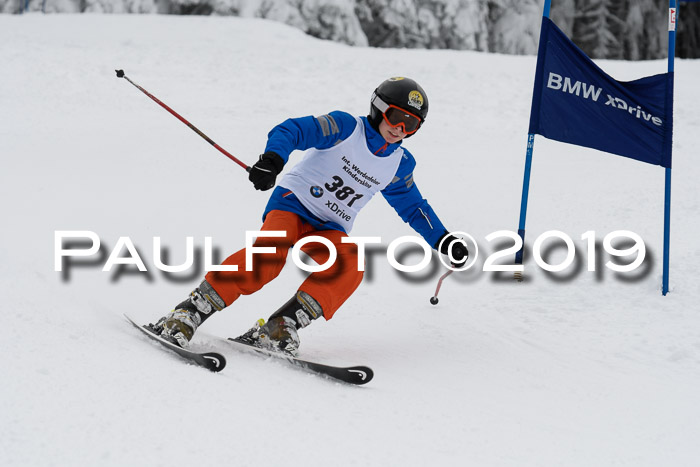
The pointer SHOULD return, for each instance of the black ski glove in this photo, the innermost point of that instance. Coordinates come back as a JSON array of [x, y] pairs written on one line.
[[264, 173], [454, 247]]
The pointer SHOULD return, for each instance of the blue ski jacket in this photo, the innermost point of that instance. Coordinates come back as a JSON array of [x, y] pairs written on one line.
[[327, 130]]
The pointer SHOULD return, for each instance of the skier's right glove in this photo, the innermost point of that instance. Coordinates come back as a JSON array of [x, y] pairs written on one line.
[[454, 247], [264, 173]]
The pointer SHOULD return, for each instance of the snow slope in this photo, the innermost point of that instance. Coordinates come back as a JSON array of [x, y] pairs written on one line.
[[577, 368]]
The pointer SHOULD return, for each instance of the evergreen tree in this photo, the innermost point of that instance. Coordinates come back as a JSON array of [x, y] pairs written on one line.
[[598, 28], [514, 26], [646, 30], [688, 33]]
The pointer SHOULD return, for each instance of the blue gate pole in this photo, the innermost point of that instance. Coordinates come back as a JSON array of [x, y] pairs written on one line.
[[526, 178], [523, 199], [673, 20]]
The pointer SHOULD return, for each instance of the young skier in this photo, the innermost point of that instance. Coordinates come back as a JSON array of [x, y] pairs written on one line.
[[347, 161]]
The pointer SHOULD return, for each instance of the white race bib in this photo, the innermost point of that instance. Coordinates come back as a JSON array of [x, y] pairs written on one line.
[[335, 183]]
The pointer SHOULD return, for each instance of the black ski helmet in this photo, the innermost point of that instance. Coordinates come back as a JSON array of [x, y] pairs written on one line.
[[402, 92]]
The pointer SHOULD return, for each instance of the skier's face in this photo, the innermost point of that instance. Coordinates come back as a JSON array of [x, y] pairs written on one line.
[[391, 134]]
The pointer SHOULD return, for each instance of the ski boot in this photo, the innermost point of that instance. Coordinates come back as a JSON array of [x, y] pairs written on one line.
[[179, 325], [279, 334]]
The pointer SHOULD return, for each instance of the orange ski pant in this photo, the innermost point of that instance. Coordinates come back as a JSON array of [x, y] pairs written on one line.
[[330, 288]]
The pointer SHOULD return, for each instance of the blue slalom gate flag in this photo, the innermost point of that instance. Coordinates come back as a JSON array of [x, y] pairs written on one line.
[[576, 102]]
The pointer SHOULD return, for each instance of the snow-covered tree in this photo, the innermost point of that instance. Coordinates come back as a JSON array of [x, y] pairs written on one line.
[[124, 6], [563, 13], [456, 24], [598, 28], [646, 30], [515, 26], [325, 19]]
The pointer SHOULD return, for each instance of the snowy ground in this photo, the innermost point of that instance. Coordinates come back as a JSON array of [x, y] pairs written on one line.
[[577, 368]]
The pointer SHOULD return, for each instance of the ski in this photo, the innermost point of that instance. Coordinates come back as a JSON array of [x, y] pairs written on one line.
[[210, 360], [352, 375]]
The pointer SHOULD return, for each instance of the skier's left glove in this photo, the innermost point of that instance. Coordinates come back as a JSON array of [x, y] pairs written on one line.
[[264, 173], [455, 248]]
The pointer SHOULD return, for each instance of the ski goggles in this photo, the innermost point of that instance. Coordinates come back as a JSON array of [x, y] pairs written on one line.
[[397, 117]]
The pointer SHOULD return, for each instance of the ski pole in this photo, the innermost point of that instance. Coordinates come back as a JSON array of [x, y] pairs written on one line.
[[120, 74], [434, 299]]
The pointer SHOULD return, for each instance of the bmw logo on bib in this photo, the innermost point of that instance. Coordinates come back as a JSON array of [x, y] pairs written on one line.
[[316, 191]]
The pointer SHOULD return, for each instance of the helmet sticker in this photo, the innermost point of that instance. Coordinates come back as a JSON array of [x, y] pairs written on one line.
[[396, 78], [415, 99]]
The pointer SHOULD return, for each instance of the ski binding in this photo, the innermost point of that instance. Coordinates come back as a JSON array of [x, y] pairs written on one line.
[[212, 361]]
